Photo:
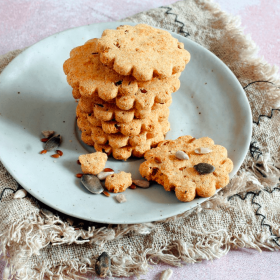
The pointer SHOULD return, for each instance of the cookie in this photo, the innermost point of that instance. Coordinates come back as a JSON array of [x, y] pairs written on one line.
[[142, 51], [118, 182], [90, 78], [93, 163], [201, 174], [123, 153]]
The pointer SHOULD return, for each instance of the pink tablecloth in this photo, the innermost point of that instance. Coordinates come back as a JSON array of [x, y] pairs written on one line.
[[25, 22]]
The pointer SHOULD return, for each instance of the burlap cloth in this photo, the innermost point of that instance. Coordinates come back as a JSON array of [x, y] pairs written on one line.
[[38, 243]]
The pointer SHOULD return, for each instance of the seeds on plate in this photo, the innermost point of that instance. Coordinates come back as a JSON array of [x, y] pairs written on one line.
[[103, 175], [43, 152], [133, 187], [203, 150], [92, 183], [48, 133], [181, 155], [106, 193], [204, 168], [121, 198], [55, 156], [108, 170], [79, 175], [44, 140], [103, 264], [53, 143], [59, 152], [141, 183]]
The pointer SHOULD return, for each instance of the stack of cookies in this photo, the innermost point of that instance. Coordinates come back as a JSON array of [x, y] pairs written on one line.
[[124, 82]]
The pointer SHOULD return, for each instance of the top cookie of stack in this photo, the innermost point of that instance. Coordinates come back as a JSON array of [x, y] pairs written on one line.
[[125, 80]]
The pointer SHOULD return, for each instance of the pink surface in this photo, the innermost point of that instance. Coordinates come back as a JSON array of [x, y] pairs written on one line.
[[25, 22]]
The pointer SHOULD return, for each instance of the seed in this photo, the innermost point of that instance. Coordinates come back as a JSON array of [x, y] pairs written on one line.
[[133, 187], [204, 168], [141, 183], [202, 150], [55, 156], [44, 140], [102, 265], [48, 133], [20, 193], [166, 274], [104, 175], [121, 198], [78, 162], [92, 183], [106, 193], [158, 160], [118, 83], [59, 152], [79, 175], [43, 152], [143, 90], [53, 143], [108, 170], [181, 155]]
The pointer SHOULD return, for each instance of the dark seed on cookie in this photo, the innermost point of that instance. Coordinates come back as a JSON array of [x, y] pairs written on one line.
[[95, 53], [118, 83], [143, 90], [154, 172], [102, 265], [158, 160], [100, 105], [204, 168]]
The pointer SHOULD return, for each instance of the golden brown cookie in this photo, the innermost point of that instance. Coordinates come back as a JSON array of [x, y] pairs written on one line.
[[93, 163], [90, 78], [142, 51], [201, 174], [118, 182], [123, 153]]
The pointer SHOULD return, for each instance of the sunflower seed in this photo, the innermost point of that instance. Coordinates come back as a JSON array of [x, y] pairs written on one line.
[[203, 150], [92, 183], [53, 143], [48, 133], [103, 175], [141, 183], [20, 193], [121, 198], [204, 168], [181, 155], [102, 265], [166, 274]]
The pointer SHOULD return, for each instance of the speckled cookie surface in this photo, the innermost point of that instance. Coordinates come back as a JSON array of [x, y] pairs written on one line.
[[93, 163], [142, 51], [164, 167], [90, 78], [118, 182]]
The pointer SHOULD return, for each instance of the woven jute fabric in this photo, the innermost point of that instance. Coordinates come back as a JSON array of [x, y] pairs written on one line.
[[37, 242]]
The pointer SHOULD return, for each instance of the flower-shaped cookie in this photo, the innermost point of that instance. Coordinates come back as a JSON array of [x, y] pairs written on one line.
[[186, 176], [90, 78], [142, 51]]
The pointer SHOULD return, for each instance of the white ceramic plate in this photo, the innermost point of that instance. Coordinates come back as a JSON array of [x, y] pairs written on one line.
[[35, 96]]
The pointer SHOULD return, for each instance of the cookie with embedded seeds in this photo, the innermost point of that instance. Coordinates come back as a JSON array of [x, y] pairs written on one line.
[[142, 51], [118, 182], [93, 163], [200, 173], [89, 78]]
